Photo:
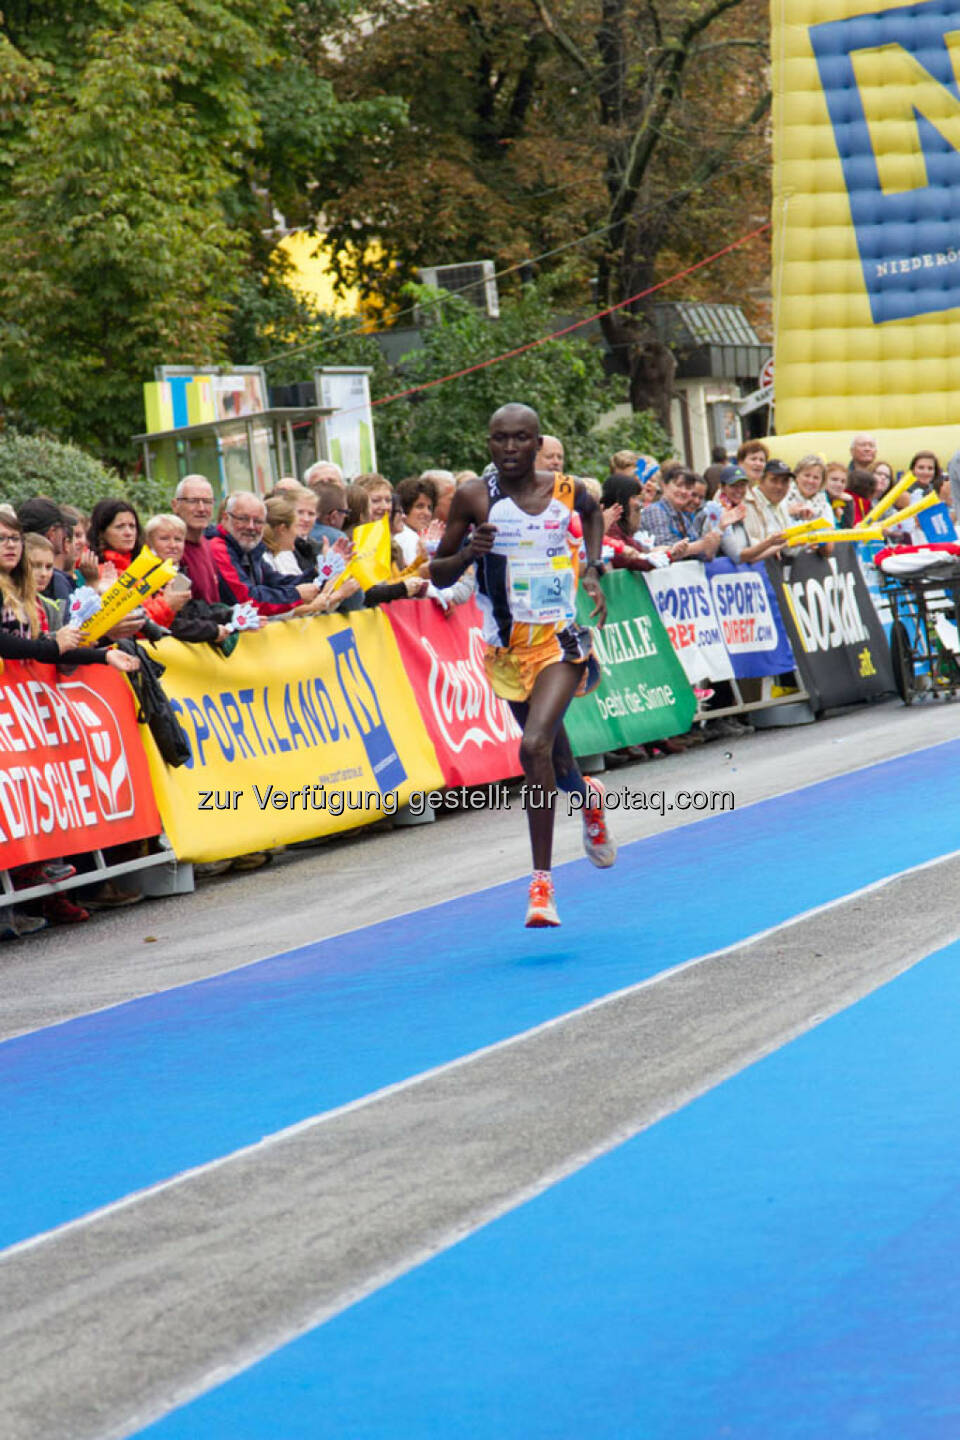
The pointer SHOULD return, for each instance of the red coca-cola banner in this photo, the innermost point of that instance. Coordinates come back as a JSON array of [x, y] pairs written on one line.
[[473, 732], [73, 772]]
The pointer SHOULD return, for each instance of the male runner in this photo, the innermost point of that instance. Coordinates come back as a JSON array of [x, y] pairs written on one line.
[[513, 522]]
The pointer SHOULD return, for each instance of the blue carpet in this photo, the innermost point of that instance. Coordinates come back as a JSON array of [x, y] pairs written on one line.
[[778, 1261], [106, 1104]]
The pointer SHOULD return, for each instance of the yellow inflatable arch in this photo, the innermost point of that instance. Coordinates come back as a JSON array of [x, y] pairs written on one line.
[[867, 226]]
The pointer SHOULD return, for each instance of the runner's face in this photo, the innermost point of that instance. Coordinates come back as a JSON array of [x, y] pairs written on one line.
[[513, 445]]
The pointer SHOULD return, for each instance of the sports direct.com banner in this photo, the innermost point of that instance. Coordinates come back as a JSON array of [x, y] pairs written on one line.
[[309, 727], [473, 731], [73, 775], [749, 617], [684, 603]]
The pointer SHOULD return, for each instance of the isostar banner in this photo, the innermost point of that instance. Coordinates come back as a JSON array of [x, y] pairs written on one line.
[[644, 693], [838, 642], [473, 731], [750, 621], [684, 602], [73, 774], [308, 727]]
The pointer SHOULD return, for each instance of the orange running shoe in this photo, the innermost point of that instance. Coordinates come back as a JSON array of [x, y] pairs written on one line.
[[599, 845], [541, 911]]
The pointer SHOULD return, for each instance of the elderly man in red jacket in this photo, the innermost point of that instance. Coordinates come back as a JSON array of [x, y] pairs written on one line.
[[237, 549]]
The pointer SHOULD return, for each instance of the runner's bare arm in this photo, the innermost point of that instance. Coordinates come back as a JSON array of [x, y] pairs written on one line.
[[453, 557]]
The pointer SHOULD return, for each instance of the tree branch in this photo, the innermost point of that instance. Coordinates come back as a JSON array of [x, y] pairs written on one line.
[[713, 161], [562, 40]]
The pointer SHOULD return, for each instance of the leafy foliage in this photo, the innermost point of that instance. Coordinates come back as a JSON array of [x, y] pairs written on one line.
[[147, 146], [447, 425], [37, 465]]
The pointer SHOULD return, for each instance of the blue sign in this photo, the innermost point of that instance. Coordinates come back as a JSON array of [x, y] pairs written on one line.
[[937, 524], [750, 623], [891, 89]]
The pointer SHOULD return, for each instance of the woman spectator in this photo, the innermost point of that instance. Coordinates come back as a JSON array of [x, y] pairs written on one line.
[[835, 488], [188, 618], [358, 508], [40, 555], [621, 500], [752, 458], [401, 585], [307, 550], [860, 498], [280, 534], [379, 493], [882, 479], [115, 535], [24, 636], [806, 498], [735, 543], [417, 499], [925, 468]]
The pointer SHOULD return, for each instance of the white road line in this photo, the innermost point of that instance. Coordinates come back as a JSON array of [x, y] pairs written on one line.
[[300, 1127]]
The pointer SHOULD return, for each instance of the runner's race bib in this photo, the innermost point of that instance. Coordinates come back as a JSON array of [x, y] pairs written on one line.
[[542, 590]]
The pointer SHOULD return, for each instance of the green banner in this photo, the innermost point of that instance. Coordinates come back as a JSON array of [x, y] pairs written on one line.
[[644, 693]]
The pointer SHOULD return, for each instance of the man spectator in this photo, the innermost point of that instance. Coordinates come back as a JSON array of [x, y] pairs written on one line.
[[332, 511], [323, 472], [863, 452], [238, 549], [41, 516], [670, 523], [550, 454], [193, 502], [715, 470]]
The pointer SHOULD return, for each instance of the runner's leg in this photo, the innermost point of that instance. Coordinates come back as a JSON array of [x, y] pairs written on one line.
[[552, 692]]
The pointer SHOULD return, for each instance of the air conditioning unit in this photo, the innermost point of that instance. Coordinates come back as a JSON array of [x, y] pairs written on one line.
[[475, 280]]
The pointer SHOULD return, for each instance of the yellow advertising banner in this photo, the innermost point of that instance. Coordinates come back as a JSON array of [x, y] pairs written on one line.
[[308, 728], [866, 124]]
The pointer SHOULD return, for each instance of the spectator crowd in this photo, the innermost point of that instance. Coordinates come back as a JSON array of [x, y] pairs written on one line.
[[287, 555]]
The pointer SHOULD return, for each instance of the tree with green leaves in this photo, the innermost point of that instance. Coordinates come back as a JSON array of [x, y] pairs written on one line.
[[629, 133], [146, 147]]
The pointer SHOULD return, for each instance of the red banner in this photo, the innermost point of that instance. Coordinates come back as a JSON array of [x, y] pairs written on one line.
[[473, 732], [73, 772]]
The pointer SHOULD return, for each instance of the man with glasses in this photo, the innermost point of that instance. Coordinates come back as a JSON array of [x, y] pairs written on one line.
[[331, 512], [238, 548], [193, 502]]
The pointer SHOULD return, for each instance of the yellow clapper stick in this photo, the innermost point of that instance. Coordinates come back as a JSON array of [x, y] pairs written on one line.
[[885, 501], [923, 503], [855, 537], [804, 528], [145, 575]]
